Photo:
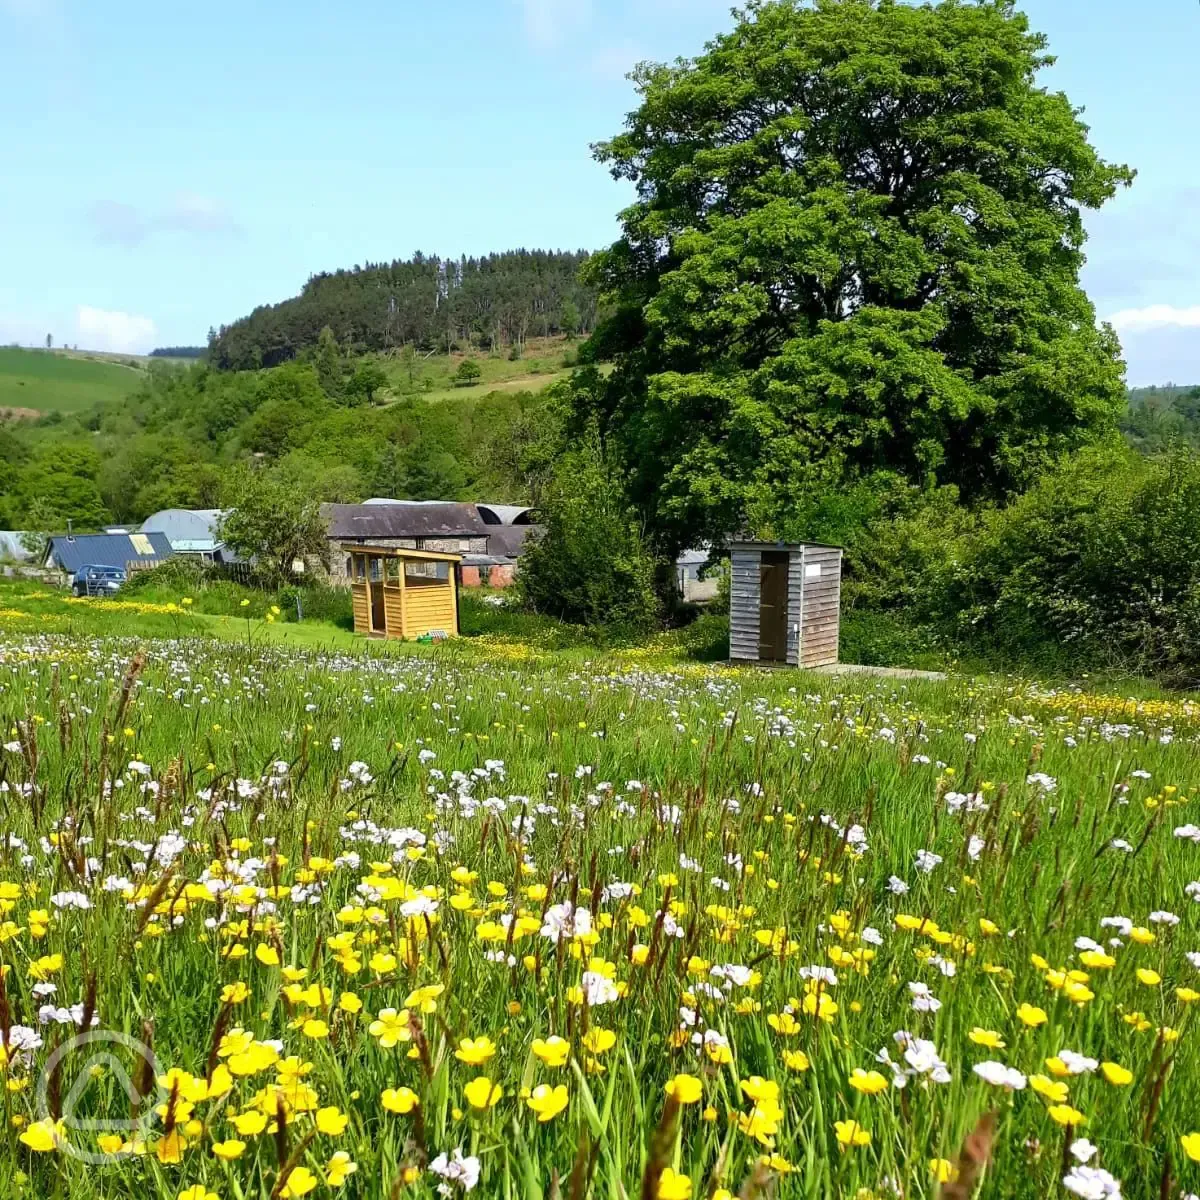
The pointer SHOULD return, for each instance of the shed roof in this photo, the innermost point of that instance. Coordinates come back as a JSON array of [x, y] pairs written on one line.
[[399, 552], [753, 544], [403, 520], [106, 550]]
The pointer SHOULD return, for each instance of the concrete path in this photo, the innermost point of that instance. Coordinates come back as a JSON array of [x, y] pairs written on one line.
[[881, 672]]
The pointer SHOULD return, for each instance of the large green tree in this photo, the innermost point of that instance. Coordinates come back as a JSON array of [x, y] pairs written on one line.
[[855, 248], [272, 523]]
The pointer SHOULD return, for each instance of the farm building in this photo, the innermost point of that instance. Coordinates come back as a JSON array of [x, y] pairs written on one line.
[[402, 593], [489, 538], [692, 584], [133, 551], [402, 525], [505, 514], [784, 603], [497, 568], [191, 531]]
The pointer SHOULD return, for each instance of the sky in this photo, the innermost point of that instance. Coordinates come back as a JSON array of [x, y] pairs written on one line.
[[167, 167]]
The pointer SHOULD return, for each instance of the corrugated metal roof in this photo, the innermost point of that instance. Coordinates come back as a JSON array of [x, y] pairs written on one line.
[[106, 550], [403, 520], [503, 514], [388, 500], [508, 541], [185, 525]]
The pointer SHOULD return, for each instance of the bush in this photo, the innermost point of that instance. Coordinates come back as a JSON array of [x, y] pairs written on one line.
[[1101, 558], [180, 575], [591, 567]]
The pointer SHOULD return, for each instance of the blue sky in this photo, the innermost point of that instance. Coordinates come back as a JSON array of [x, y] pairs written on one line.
[[169, 166]]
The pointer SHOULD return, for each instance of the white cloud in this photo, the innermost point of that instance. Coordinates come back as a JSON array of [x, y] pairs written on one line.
[[116, 332], [549, 21], [1155, 316], [117, 223]]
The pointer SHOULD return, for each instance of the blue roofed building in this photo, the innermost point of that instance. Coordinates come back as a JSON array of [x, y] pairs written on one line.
[[132, 551]]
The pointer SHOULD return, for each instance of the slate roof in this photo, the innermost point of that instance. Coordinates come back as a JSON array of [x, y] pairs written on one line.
[[105, 550], [430, 520], [508, 541]]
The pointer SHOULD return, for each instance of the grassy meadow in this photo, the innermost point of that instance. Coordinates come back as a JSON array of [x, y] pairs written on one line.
[[41, 381], [543, 362], [564, 923]]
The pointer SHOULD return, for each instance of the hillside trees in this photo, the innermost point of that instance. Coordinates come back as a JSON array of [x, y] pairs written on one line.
[[855, 248], [427, 301]]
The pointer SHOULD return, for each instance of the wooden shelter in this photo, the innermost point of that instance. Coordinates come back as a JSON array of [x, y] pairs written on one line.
[[784, 603], [403, 593]]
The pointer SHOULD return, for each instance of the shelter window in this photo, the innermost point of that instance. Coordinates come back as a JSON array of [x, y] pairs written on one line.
[[426, 570]]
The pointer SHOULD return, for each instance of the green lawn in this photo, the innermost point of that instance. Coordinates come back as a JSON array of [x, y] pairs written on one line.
[[45, 382]]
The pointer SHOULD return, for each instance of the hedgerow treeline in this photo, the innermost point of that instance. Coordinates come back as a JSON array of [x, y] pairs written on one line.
[[426, 301]]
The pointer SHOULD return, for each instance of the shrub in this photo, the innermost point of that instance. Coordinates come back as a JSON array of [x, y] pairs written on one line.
[[1101, 557], [179, 574], [591, 567]]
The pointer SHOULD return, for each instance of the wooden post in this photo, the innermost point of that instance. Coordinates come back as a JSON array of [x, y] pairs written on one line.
[[403, 634]]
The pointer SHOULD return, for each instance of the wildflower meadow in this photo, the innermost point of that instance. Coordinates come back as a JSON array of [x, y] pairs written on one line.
[[278, 923]]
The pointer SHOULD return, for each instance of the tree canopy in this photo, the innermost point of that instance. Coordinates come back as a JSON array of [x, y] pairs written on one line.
[[427, 301], [855, 248]]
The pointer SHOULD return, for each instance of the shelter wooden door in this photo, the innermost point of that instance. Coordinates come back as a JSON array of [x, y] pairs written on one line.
[[773, 606]]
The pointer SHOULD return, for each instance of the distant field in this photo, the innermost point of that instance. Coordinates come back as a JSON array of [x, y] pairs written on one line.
[[34, 381], [543, 363]]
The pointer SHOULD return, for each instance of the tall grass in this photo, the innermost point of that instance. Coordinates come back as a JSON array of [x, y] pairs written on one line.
[[306, 879]]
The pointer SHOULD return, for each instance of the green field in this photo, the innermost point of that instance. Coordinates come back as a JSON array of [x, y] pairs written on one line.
[[552, 925], [41, 381]]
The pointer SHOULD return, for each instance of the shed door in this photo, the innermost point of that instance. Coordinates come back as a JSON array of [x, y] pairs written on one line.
[[773, 606]]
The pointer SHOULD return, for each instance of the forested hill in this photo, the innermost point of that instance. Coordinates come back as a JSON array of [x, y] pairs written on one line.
[[430, 302]]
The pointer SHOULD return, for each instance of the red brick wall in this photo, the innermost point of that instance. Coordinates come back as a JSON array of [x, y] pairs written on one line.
[[497, 576]]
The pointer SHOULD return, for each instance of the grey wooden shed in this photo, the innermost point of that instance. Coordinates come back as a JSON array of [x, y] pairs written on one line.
[[784, 603]]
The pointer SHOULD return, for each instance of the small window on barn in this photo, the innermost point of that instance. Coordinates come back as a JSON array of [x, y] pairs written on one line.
[[391, 570], [376, 569], [349, 566], [360, 566]]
